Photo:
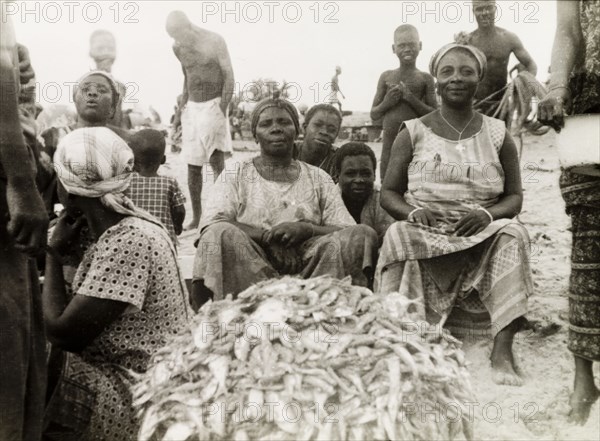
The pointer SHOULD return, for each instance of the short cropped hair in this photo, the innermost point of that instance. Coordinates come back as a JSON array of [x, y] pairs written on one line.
[[148, 146], [354, 149], [321, 107]]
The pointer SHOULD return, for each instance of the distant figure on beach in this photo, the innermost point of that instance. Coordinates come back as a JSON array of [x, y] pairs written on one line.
[[497, 44], [404, 93], [333, 98], [103, 50], [207, 91]]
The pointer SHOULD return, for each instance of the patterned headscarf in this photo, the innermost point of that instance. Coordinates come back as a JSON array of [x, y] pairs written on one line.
[[477, 54], [280, 104], [96, 163]]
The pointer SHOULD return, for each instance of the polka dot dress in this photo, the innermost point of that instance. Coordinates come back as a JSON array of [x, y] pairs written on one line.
[[131, 262]]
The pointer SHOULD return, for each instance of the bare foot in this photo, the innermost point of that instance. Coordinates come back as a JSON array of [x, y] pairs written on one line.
[[505, 372], [193, 225], [581, 401], [504, 369]]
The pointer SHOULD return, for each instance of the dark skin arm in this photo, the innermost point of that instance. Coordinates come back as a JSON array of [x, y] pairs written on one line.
[[228, 78], [384, 99], [388, 96], [178, 216], [523, 56], [510, 202], [184, 94], [396, 184], [28, 219], [568, 42], [72, 325], [428, 105]]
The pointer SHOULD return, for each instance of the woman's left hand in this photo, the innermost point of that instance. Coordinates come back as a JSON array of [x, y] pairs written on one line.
[[470, 224], [289, 233], [65, 232]]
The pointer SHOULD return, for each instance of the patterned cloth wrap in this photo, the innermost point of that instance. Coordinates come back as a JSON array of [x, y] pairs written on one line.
[[582, 197]]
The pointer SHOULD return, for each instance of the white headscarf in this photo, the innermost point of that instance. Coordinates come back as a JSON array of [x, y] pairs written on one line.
[[95, 162]]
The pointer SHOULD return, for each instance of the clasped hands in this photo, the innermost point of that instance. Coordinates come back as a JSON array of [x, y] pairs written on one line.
[[397, 93], [470, 224], [282, 245]]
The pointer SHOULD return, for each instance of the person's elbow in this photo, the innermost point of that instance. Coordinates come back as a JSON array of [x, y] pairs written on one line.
[[375, 114], [516, 204], [62, 339], [532, 68]]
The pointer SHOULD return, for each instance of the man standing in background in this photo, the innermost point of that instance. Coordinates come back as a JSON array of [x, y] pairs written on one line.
[[497, 44], [207, 90]]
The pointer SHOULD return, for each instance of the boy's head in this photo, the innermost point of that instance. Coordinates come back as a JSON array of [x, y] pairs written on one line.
[[322, 123], [148, 147], [485, 13], [357, 166], [407, 44]]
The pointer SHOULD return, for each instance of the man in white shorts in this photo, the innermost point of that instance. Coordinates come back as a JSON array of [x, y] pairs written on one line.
[[207, 91]]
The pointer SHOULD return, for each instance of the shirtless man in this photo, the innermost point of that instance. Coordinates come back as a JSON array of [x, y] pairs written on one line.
[[403, 93], [497, 44], [207, 90], [23, 224]]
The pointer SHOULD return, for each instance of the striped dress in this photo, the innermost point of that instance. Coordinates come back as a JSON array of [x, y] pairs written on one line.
[[485, 278]]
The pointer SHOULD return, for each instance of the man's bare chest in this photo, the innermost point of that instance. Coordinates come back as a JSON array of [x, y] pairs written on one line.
[[191, 57]]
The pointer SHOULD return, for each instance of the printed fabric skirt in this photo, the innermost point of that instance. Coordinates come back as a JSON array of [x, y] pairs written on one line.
[[582, 196]]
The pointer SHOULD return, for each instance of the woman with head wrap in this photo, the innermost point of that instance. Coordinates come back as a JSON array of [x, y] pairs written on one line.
[[128, 297], [454, 186], [277, 215]]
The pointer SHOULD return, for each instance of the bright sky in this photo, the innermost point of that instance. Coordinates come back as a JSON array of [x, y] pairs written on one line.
[[299, 42]]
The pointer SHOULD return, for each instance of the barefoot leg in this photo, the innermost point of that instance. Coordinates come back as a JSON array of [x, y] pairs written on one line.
[[585, 392], [195, 188], [503, 362]]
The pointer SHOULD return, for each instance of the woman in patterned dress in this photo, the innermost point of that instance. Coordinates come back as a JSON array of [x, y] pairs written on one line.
[[454, 185], [277, 215], [128, 298], [575, 85]]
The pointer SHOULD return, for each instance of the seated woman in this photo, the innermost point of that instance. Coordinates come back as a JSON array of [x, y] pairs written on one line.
[[128, 297], [454, 184], [356, 163], [277, 216], [321, 127]]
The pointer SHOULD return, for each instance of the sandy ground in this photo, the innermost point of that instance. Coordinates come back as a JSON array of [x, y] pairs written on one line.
[[538, 409]]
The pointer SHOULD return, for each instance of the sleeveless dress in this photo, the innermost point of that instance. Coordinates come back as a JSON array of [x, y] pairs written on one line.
[[486, 276]]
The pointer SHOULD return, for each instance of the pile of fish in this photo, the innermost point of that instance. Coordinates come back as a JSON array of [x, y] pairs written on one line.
[[315, 359]]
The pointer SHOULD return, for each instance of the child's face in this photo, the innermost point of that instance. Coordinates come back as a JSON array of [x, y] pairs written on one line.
[[406, 46]]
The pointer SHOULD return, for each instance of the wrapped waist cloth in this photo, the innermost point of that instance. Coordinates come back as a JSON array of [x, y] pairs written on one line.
[[204, 129]]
